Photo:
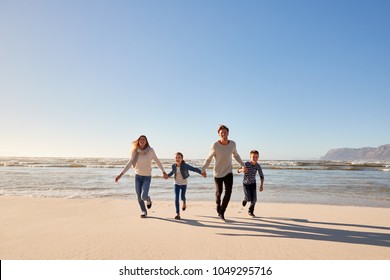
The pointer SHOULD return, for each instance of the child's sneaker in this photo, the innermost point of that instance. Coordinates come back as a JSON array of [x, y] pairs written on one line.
[[251, 214]]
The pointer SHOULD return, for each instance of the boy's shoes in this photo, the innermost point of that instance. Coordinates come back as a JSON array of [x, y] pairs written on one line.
[[143, 215], [149, 204], [184, 207], [251, 214], [244, 202], [177, 217]]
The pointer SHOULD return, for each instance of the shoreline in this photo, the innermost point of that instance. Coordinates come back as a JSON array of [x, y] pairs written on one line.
[[111, 229], [132, 197]]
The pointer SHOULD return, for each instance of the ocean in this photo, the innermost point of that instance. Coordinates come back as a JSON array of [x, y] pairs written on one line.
[[286, 181]]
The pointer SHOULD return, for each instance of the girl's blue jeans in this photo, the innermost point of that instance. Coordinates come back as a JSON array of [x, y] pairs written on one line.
[[183, 189]]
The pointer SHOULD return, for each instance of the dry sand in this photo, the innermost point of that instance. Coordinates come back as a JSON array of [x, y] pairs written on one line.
[[100, 229]]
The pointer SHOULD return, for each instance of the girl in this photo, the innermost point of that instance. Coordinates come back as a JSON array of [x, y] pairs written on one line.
[[181, 180]]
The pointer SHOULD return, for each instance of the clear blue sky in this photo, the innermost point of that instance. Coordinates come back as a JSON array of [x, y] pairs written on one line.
[[292, 79]]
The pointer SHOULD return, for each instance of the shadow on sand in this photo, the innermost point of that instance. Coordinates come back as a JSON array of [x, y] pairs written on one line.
[[279, 227]]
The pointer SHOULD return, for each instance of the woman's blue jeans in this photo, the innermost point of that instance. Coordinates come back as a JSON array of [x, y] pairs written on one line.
[[142, 185], [183, 189]]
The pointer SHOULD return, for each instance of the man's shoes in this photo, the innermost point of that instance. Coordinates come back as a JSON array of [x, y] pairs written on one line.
[[149, 204], [177, 217], [244, 202], [251, 214], [218, 208], [143, 215], [222, 216]]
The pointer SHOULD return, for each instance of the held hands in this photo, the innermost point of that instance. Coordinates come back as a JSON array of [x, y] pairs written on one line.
[[204, 174], [165, 176], [242, 170]]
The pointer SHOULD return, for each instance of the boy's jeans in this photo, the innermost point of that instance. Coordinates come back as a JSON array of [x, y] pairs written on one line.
[[250, 195], [142, 185]]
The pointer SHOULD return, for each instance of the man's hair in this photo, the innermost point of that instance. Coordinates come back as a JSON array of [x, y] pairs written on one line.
[[223, 127]]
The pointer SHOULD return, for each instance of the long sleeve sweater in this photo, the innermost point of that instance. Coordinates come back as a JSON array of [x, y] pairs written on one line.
[[223, 158], [143, 165]]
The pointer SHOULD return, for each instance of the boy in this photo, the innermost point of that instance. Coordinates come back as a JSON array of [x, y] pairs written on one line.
[[249, 181]]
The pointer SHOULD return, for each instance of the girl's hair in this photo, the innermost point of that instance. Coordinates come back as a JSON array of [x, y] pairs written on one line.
[[180, 154], [135, 144]]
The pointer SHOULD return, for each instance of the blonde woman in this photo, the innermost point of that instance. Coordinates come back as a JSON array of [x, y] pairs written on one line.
[[141, 159]]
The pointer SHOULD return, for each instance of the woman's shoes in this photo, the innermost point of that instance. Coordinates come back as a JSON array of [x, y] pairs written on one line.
[[184, 207], [177, 217]]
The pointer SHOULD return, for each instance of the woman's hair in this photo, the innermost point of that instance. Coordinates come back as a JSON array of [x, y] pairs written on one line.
[[135, 144]]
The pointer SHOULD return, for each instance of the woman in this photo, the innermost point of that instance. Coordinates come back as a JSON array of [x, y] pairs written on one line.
[[141, 160]]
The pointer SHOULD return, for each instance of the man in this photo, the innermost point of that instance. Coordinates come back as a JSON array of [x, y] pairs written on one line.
[[222, 151]]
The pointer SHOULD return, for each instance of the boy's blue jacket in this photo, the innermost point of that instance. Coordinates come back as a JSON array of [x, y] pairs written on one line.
[[184, 168]]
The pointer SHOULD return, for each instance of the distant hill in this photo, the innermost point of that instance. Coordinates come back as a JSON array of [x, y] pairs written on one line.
[[367, 153]]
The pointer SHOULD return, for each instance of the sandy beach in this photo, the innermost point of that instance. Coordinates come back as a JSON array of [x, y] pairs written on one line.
[[101, 229]]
